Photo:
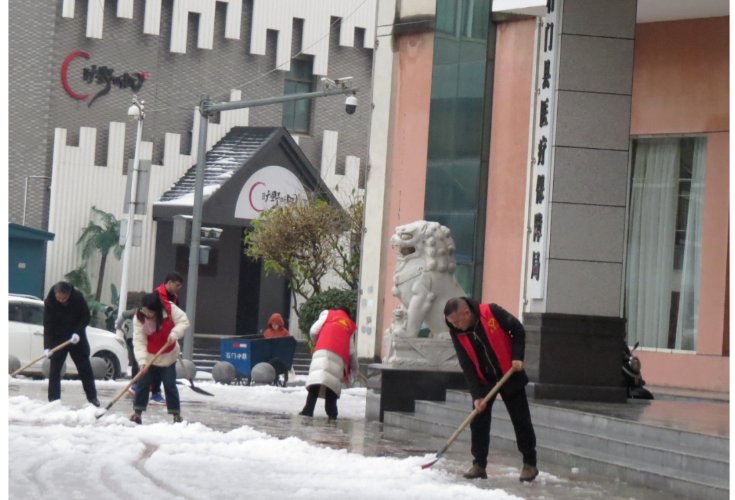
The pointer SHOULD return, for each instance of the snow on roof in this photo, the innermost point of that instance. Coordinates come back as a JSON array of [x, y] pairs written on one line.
[[226, 157]]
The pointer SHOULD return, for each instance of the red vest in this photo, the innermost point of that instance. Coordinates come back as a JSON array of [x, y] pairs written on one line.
[[335, 335], [499, 341], [163, 293], [157, 340]]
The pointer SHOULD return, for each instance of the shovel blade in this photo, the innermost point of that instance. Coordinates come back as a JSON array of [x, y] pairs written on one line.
[[426, 466], [201, 391]]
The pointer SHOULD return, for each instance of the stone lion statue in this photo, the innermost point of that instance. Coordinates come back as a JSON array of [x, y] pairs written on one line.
[[424, 278]]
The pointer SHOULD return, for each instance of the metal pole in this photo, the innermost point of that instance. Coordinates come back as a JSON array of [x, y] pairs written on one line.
[[196, 226], [206, 108], [25, 197], [226, 106], [123, 300]]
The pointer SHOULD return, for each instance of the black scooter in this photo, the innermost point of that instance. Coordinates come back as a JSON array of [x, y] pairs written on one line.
[[632, 378]]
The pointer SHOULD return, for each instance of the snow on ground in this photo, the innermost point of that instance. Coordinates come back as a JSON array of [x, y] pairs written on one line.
[[114, 458], [351, 403], [267, 398]]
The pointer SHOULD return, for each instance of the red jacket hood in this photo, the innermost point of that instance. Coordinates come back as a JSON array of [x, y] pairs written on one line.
[[281, 332]]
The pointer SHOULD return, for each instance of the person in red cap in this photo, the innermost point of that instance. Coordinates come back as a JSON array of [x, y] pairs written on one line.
[[276, 327], [334, 360]]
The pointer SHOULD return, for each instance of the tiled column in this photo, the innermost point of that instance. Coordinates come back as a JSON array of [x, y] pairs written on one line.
[[576, 222]]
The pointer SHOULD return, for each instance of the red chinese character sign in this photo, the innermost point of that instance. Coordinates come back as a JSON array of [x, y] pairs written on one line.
[[265, 188]]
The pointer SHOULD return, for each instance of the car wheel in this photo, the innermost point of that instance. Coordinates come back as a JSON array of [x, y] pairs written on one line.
[[113, 367]]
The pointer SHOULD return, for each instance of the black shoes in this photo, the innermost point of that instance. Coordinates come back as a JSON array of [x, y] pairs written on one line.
[[95, 402]]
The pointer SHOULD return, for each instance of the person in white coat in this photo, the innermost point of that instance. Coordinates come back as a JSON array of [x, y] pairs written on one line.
[[334, 360], [158, 324]]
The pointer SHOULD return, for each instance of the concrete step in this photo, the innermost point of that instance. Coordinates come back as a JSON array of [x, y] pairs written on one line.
[[662, 393], [686, 484], [618, 446], [601, 425]]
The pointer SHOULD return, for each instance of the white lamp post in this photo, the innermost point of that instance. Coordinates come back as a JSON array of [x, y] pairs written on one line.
[[135, 112]]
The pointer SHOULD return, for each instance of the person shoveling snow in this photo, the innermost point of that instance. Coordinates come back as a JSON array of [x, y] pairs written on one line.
[[156, 325], [334, 360]]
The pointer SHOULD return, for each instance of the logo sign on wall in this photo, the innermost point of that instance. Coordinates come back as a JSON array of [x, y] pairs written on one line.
[[100, 75], [265, 188]]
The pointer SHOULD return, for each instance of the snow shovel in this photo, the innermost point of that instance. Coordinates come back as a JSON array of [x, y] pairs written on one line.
[[193, 387], [58, 347], [470, 418], [134, 380]]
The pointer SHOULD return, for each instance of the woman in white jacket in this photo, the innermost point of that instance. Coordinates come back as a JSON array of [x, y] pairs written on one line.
[[157, 324], [334, 360]]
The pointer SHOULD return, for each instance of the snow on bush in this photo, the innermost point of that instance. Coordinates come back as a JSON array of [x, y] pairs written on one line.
[[67, 454]]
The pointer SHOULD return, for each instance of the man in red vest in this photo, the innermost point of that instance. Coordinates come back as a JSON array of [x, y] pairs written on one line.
[[489, 340], [333, 361]]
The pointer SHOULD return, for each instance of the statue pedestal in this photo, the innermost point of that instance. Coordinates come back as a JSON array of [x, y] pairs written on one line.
[[397, 389], [413, 353], [413, 369]]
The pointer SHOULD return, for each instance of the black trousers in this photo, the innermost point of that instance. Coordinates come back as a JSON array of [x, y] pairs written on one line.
[[517, 406], [330, 401], [155, 377], [79, 353]]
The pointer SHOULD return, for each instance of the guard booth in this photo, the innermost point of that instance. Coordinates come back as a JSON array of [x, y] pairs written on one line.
[[27, 259], [248, 171]]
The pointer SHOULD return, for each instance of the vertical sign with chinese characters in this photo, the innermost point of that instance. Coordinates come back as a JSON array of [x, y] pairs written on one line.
[[542, 151]]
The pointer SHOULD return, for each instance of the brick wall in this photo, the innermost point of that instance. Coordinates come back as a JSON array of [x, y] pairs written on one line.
[[41, 39]]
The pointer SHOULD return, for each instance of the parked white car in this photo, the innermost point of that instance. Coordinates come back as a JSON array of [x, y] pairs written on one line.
[[26, 339]]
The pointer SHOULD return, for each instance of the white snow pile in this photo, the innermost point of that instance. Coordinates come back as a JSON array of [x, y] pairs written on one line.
[[191, 461], [290, 400], [30, 411], [266, 398]]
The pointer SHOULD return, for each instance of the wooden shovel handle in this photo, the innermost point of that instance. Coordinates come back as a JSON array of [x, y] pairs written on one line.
[[186, 372], [475, 412], [140, 374], [58, 347]]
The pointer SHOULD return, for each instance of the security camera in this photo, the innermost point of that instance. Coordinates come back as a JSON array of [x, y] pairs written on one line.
[[351, 104]]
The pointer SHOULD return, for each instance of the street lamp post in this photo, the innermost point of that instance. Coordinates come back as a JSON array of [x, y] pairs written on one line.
[[339, 86], [135, 112]]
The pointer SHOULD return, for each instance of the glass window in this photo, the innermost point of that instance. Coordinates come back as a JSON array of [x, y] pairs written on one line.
[[456, 126], [297, 114], [446, 16], [438, 188], [464, 185], [15, 313], [464, 276], [665, 242], [463, 232], [33, 315]]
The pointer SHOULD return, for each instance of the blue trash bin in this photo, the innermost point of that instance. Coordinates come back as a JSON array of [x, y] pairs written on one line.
[[245, 353]]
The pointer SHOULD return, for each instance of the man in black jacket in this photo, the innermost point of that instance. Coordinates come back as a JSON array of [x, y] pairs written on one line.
[[65, 317], [489, 340]]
